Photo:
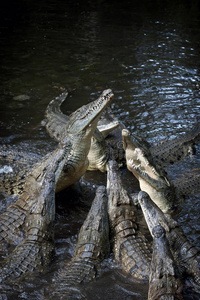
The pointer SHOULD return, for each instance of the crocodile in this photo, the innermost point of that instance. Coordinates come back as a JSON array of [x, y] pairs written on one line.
[[26, 227], [165, 281], [92, 247], [165, 152], [57, 122], [153, 178], [130, 247], [186, 255], [78, 128]]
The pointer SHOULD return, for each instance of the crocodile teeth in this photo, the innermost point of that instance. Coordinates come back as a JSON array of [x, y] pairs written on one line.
[[130, 161]]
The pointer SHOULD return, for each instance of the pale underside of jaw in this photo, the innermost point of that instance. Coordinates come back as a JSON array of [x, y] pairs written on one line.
[[142, 163]]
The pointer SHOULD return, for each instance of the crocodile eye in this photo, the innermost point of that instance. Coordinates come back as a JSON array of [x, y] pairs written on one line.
[[183, 250]]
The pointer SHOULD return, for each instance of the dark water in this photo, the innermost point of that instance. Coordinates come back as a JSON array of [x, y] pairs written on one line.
[[148, 52]]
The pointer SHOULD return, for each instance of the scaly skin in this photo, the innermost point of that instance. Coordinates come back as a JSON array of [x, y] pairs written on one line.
[[164, 280], [29, 217], [92, 247], [16, 163], [164, 152], [185, 254], [57, 122], [98, 155], [78, 128], [152, 178], [188, 183], [169, 151], [130, 247], [34, 253]]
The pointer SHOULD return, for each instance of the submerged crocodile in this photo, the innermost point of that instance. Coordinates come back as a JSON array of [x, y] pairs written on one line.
[[185, 254], [91, 248], [167, 152], [26, 227], [164, 279], [130, 247], [153, 179], [78, 128]]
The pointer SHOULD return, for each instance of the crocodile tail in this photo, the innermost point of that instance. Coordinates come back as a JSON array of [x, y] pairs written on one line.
[[54, 105], [55, 120]]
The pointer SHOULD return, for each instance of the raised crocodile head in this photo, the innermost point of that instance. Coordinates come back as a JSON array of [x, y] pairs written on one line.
[[88, 114], [153, 215], [152, 178], [85, 118], [79, 128]]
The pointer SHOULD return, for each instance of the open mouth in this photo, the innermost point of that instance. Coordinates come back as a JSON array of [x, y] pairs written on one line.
[[140, 162], [92, 112]]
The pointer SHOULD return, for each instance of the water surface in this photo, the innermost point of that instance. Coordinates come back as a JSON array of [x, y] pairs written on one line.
[[147, 52]]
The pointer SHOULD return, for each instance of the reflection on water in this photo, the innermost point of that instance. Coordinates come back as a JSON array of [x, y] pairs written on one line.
[[146, 51]]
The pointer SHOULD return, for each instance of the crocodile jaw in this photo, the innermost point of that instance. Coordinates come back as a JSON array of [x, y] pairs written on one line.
[[151, 179], [158, 187], [88, 115]]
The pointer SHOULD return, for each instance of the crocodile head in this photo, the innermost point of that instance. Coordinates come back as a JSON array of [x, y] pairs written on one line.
[[117, 194], [152, 178], [153, 215], [87, 116], [84, 119], [79, 128], [119, 201]]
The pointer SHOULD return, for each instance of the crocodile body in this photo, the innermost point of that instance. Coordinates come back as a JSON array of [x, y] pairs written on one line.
[[167, 152], [164, 152], [130, 247], [164, 279], [16, 163], [185, 254], [92, 247], [105, 144], [100, 151], [26, 227], [78, 128]]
